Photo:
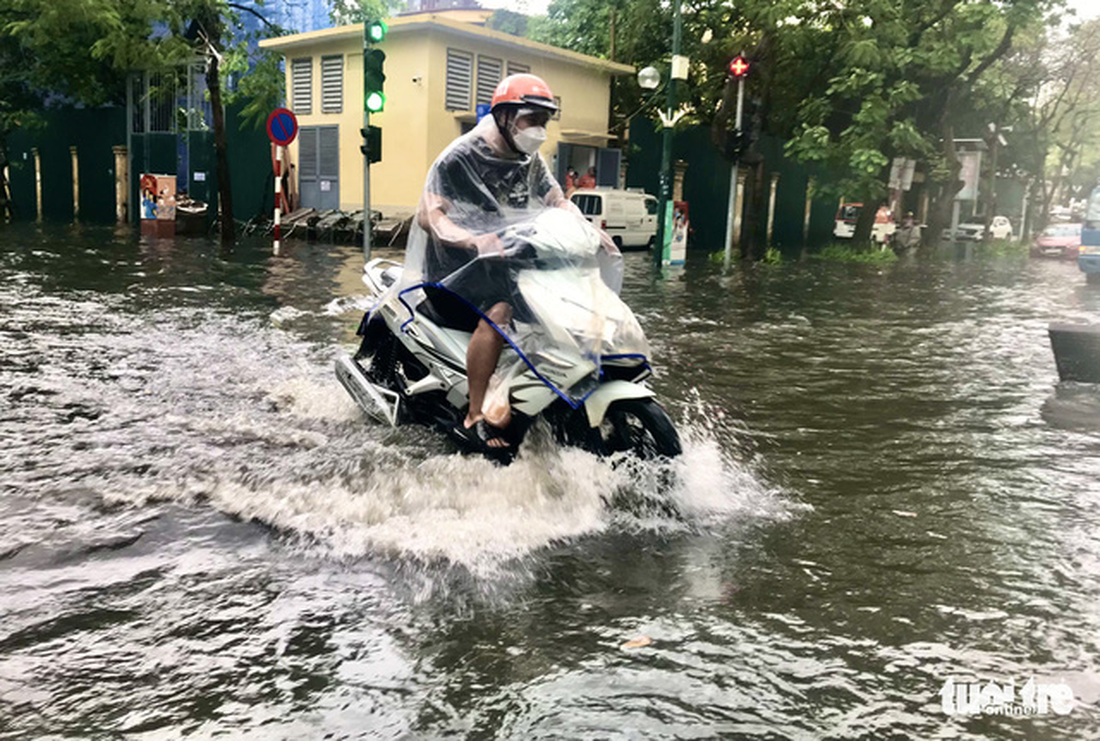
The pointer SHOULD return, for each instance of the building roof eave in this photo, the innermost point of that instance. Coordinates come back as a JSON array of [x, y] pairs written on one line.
[[576, 136], [409, 24]]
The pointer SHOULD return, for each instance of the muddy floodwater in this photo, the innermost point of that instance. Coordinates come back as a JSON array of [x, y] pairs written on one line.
[[885, 497]]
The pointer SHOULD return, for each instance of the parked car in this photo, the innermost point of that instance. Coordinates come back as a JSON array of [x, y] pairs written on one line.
[[999, 228], [848, 214], [1058, 240], [630, 217], [1089, 259]]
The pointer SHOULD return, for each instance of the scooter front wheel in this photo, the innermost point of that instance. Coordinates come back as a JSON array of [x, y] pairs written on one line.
[[641, 427]]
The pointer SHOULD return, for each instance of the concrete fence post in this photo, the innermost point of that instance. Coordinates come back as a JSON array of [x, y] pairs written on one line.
[[76, 183], [122, 184], [810, 184], [771, 206], [5, 196], [679, 169], [738, 208], [37, 182]]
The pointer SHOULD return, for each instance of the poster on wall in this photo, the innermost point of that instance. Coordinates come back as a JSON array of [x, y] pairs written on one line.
[[971, 166], [680, 226], [158, 197]]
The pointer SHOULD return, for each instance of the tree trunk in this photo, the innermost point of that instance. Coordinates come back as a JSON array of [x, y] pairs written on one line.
[[212, 24], [755, 189], [1049, 195], [866, 221], [940, 216], [1039, 199]]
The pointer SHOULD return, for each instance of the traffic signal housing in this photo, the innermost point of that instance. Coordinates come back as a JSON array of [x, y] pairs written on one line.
[[374, 31], [738, 143], [374, 100], [739, 67], [372, 143]]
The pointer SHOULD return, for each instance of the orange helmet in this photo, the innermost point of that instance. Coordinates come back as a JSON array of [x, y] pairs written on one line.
[[524, 90]]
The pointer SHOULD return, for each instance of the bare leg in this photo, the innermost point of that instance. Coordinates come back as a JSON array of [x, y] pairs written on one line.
[[482, 355]]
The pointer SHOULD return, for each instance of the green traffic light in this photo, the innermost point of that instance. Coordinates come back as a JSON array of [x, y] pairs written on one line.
[[374, 79], [376, 31]]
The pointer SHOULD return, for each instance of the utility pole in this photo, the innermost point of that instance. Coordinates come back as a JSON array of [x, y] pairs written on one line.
[[664, 201], [991, 201]]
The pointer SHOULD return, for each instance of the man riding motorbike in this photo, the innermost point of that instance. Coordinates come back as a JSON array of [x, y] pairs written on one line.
[[485, 180]]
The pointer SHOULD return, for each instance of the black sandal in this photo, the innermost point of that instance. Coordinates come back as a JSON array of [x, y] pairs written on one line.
[[480, 435]]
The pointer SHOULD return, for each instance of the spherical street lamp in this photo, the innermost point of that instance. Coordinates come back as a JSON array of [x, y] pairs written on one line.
[[649, 78]]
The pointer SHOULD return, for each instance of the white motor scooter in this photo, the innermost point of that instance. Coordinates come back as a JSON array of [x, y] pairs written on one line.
[[577, 358]]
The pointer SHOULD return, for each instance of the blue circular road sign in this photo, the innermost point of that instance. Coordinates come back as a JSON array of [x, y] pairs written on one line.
[[282, 126]]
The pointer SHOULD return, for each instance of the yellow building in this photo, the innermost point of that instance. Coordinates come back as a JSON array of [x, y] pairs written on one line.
[[439, 67]]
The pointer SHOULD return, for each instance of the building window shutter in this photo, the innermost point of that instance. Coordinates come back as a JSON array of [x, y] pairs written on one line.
[[301, 80], [515, 68], [332, 84], [307, 153], [460, 79], [488, 77], [328, 152]]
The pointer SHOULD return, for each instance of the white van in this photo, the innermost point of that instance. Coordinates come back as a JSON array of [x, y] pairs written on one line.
[[630, 217]]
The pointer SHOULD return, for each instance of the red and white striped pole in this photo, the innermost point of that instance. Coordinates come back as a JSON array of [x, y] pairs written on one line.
[[278, 192]]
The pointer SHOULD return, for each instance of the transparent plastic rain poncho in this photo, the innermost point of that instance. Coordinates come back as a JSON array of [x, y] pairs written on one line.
[[493, 227]]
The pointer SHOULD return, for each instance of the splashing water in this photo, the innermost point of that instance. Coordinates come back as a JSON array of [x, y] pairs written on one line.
[[202, 405]]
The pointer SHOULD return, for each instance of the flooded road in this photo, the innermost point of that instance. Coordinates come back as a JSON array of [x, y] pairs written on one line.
[[884, 488]]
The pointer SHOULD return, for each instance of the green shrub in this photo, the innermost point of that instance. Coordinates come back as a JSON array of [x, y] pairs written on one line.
[[849, 253], [772, 257], [1003, 248]]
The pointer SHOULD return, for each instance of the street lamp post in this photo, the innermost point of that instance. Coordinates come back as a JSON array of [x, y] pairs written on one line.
[[664, 199], [996, 140]]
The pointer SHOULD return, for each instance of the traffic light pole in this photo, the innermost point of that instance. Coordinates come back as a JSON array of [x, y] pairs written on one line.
[[374, 31], [731, 210], [664, 207], [366, 188]]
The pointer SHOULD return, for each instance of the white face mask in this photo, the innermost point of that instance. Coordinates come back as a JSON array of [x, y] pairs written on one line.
[[530, 139]]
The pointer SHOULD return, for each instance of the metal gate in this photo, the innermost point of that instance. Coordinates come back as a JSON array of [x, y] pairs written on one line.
[[607, 167], [319, 167]]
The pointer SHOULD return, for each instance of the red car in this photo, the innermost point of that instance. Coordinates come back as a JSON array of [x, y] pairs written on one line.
[[1058, 240]]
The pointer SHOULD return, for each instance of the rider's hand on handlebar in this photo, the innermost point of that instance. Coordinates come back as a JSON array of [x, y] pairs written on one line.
[[488, 245]]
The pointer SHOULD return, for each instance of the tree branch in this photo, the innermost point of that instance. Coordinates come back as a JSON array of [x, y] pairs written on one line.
[[993, 56], [253, 11]]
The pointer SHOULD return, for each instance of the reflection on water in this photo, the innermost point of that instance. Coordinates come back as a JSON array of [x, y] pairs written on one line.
[[1074, 406], [883, 486]]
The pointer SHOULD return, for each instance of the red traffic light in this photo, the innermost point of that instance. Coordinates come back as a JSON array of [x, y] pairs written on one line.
[[739, 67]]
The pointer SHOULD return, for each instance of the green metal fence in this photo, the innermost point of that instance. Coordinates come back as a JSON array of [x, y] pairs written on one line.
[[706, 187], [96, 131]]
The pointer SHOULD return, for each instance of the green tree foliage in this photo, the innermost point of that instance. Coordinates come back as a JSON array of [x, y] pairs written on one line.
[[508, 21], [630, 31], [45, 53], [1049, 89], [346, 12], [900, 78], [83, 49], [849, 85]]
